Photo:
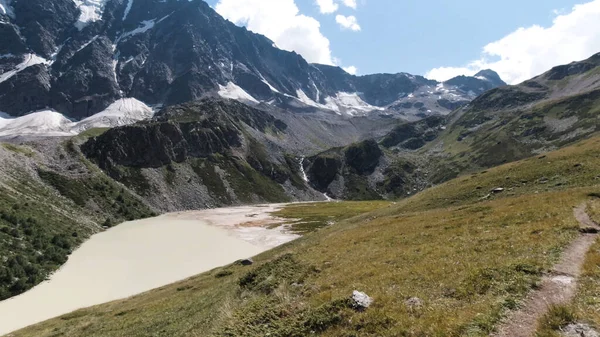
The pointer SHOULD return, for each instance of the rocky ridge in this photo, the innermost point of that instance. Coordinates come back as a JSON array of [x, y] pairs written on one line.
[[79, 57]]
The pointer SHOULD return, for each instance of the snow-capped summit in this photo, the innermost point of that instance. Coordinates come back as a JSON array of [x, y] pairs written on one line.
[[85, 55]]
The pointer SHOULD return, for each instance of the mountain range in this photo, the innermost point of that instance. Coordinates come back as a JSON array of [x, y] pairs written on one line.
[[57, 56]]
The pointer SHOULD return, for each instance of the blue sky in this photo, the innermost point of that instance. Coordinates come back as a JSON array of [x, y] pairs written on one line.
[[421, 37]]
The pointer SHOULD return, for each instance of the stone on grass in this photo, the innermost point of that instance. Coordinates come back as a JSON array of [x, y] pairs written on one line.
[[413, 303], [246, 262], [361, 301], [579, 330]]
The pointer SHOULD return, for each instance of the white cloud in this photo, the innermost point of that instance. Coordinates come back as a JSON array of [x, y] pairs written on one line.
[[528, 52], [350, 3], [280, 21], [331, 6], [446, 73], [348, 22], [352, 70], [327, 6]]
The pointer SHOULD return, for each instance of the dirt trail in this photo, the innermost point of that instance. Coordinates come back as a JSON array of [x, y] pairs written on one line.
[[558, 287]]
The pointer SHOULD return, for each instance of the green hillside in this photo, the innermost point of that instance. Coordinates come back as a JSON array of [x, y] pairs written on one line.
[[450, 261]]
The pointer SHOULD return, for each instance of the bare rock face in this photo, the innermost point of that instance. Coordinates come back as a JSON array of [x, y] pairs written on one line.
[[329, 172], [192, 130], [45, 24], [201, 154], [29, 91]]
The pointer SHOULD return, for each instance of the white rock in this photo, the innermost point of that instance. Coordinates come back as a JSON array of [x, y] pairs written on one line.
[[579, 330], [361, 300]]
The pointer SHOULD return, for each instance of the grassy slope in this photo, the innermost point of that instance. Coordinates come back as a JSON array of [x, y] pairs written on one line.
[[309, 217], [585, 308], [468, 258], [586, 305], [511, 134], [43, 220], [35, 239]]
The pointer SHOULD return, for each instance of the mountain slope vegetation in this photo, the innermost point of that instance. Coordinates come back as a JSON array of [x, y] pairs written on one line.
[[509, 123], [52, 200], [548, 112], [495, 246]]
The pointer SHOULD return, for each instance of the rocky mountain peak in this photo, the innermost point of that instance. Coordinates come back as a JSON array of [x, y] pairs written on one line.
[[491, 76], [478, 84], [78, 57]]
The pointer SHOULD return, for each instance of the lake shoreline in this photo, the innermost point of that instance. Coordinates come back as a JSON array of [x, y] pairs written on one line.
[[138, 256]]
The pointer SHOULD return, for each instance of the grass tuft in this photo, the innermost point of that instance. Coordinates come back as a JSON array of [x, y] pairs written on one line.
[[557, 317]]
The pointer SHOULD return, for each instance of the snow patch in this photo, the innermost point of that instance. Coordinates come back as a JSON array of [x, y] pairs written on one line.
[[303, 97], [39, 123], [30, 60], [91, 11], [122, 112], [52, 123], [144, 27], [349, 103], [232, 91], [6, 9], [87, 44], [343, 103], [127, 9], [273, 89]]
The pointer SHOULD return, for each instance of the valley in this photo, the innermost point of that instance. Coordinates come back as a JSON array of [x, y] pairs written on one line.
[[497, 247], [166, 172], [451, 199]]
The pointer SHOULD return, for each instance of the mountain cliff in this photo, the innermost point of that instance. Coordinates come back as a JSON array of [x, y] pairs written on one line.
[[202, 154]]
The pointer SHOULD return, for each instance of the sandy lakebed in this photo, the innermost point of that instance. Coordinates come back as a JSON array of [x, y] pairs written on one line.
[[141, 255]]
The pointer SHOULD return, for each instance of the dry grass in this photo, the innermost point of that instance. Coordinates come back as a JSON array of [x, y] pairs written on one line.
[[469, 260], [586, 304], [554, 320], [311, 216]]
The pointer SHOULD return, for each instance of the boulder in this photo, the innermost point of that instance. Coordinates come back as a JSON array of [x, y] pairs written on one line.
[[360, 300], [246, 262]]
